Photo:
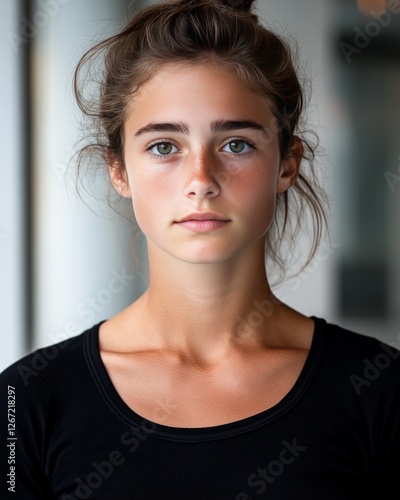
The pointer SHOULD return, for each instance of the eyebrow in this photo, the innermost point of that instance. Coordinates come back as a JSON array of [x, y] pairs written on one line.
[[216, 126]]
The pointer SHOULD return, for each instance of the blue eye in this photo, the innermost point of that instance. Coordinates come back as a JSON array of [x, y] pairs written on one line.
[[237, 146], [163, 148]]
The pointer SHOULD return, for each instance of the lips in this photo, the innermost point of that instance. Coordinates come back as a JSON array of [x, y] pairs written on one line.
[[200, 216]]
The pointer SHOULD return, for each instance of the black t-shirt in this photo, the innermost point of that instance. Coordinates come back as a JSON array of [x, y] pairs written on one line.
[[334, 436]]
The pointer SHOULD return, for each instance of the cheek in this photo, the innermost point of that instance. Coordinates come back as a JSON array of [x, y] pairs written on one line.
[[255, 190], [150, 199]]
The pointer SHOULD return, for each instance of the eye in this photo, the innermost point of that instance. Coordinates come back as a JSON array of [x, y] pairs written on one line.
[[163, 148], [237, 146]]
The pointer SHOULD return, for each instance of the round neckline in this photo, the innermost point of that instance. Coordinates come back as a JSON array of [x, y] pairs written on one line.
[[194, 434]]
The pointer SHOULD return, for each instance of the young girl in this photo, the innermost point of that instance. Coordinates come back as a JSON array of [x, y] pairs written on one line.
[[207, 386]]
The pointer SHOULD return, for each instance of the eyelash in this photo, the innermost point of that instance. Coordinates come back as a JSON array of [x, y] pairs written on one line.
[[160, 141], [168, 141], [245, 141]]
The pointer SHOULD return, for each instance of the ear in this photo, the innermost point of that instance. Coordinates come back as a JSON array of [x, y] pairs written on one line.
[[118, 176], [290, 166]]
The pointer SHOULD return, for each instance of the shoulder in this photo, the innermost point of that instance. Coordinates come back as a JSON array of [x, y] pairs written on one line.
[[46, 366], [353, 344], [365, 361]]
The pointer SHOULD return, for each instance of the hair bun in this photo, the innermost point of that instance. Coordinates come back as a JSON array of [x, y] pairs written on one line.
[[241, 5]]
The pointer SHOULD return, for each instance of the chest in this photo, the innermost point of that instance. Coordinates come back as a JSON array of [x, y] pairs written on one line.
[[171, 395], [309, 452]]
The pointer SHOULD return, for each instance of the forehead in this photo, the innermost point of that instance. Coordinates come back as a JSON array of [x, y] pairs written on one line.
[[196, 89]]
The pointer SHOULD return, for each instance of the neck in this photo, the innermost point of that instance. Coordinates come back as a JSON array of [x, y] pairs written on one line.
[[208, 311]]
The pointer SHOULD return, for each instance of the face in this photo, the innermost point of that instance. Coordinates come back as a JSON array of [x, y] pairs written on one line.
[[198, 140]]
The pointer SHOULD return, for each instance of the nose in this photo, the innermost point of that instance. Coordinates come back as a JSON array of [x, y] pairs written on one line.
[[202, 170]]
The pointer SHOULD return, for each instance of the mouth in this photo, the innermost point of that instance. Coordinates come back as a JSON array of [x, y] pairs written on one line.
[[206, 216], [204, 225]]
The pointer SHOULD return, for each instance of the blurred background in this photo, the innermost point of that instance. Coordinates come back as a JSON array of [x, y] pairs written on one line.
[[66, 264]]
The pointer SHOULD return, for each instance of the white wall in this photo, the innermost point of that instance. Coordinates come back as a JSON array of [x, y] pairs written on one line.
[[80, 258], [11, 263]]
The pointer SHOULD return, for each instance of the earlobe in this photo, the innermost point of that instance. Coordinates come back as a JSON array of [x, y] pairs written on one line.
[[118, 177], [119, 181], [290, 166]]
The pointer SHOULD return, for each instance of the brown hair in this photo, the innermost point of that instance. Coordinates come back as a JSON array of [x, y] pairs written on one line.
[[215, 31]]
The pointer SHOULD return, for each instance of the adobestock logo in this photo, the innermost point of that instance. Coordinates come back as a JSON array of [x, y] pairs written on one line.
[[104, 469], [267, 475], [255, 318], [373, 368], [39, 361], [372, 29], [86, 310], [30, 28], [393, 179], [119, 281]]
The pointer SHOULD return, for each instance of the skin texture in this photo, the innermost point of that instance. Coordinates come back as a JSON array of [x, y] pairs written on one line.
[[190, 337]]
